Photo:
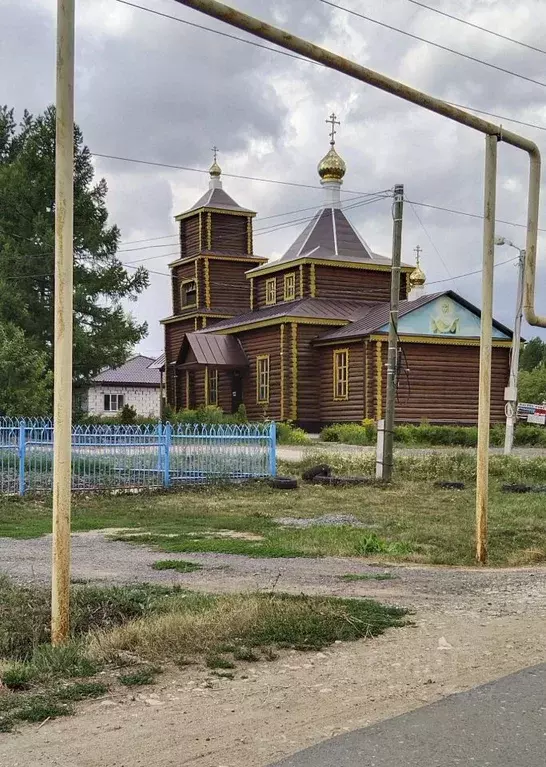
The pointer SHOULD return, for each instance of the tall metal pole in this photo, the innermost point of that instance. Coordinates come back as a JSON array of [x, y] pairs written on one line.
[[512, 399], [62, 394], [484, 403], [392, 353]]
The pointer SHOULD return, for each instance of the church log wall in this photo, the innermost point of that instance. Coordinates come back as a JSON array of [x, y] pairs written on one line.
[[443, 381], [352, 408], [262, 341], [355, 284], [228, 234], [228, 287]]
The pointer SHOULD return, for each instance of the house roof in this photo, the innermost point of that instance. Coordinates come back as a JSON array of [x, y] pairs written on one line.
[[215, 350], [330, 236], [215, 198], [319, 308], [378, 316], [135, 372], [159, 363]]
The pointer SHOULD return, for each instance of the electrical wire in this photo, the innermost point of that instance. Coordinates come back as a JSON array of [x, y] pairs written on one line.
[[425, 230], [286, 53], [477, 26], [468, 214], [468, 274], [435, 45]]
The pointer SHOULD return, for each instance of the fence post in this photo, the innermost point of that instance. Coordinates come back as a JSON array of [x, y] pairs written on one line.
[[272, 449], [167, 437], [159, 446], [22, 456]]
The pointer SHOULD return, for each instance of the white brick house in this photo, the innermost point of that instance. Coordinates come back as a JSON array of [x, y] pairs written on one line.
[[135, 383]]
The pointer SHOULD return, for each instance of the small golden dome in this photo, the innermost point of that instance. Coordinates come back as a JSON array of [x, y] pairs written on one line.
[[331, 167], [215, 170], [417, 277]]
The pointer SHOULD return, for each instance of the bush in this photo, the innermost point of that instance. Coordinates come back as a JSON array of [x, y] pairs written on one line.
[[128, 415], [291, 435], [426, 435]]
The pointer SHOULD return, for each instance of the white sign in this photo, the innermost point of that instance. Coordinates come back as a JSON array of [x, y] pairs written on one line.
[[538, 419]]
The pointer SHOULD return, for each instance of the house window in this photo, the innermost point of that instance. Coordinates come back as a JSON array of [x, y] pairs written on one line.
[[262, 379], [341, 374], [212, 387], [290, 286], [113, 403], [271, 291], [188, 293]]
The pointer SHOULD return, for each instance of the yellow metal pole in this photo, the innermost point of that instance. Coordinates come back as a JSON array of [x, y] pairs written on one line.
[[484, 404], [62, 394]]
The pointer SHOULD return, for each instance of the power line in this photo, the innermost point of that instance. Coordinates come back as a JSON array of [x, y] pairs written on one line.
[[435, 45], [425, 230], [309, 61], [498, 117], [468, 214], [229, 175], [477, 26], [468, 274]]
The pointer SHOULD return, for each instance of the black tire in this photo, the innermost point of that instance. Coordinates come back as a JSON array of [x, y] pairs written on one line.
[[321, 470], [516, 488], [283, 483], [343, 481], [450, 485]]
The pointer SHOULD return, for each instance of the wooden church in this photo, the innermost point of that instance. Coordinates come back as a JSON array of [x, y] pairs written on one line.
[[304, 337]]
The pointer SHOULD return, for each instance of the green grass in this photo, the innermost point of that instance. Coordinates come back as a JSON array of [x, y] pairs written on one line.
[[142, 676], [409, 520], [349, 577], [138, 626], [177, 564]]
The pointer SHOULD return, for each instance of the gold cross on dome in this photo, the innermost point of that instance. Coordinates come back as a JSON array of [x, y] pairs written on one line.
[[215, 151], [333, 122], [418, 250]]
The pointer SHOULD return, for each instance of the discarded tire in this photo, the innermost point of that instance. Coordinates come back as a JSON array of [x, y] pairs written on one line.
[[321, 470], [283, 483], [343, 481], [450, 485], [516, 488]]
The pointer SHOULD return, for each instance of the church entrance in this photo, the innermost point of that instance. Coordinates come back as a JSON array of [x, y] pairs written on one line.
[[236, 390]]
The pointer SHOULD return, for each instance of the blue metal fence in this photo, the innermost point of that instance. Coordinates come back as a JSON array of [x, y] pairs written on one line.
[[158, 455]]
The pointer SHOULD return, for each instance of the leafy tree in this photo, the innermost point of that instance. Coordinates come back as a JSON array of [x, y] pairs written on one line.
[[25, 382], [533, 354], [104, 333], [532, 385]]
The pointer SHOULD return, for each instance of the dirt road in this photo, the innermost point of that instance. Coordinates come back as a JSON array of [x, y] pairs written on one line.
[[470, 627]]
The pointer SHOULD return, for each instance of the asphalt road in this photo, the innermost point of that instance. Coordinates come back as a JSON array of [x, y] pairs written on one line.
[[501, 724]]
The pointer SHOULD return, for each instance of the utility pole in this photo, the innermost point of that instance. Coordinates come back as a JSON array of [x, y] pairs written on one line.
[[511, 391], [486, 339], [62, 393], [392, 353]]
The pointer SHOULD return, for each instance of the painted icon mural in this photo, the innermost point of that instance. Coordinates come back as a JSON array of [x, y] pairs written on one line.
[[443, 317]]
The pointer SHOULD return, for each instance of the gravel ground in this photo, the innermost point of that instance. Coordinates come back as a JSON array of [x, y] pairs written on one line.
[[95, 558], [469, 626]]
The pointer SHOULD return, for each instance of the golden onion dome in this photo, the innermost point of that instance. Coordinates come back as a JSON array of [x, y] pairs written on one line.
[[215, 170], [331, 167], [417, 277]]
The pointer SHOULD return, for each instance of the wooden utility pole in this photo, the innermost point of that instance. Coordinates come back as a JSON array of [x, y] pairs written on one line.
[[62, 393], [392, 353]]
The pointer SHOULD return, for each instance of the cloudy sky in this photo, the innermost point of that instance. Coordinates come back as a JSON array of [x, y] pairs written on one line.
[[151, 89]]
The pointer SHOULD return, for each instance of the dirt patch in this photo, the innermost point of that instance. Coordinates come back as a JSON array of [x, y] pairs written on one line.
[[191, 718]]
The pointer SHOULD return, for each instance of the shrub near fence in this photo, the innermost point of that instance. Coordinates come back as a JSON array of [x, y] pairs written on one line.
[[426, 435], [159, 455]]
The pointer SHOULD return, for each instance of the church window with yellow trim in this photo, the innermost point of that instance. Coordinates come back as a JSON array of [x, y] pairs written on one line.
[[262, 379], [271, 291], [212, 386], [290, 286], [341, 374]]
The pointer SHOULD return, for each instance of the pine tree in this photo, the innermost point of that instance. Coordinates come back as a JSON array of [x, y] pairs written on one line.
[[104, 333]]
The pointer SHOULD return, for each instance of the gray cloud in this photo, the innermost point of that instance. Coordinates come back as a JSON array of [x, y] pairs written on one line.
[[152, 89]]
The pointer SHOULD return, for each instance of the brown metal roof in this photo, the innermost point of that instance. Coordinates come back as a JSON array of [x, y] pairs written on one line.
[[218, 351], [330, 236], [378, 316], [319, 308], [216, 198]]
